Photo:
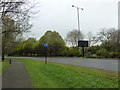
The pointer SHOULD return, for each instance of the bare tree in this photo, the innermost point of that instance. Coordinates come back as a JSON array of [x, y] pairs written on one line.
[[73, 37], [90, 37], [18, 13], [92, 40], [110, 35], [107, 34]]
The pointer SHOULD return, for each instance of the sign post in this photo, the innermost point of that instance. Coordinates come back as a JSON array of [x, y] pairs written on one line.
[[46, 45], [82, 44], [83, 51]]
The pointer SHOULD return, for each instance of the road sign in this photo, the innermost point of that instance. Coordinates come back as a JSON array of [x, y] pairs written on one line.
[[82, 43], [45, 45]]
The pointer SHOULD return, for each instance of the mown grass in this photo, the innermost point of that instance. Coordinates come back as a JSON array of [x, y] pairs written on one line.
[[4, 65], [0, 67], [55, 75]]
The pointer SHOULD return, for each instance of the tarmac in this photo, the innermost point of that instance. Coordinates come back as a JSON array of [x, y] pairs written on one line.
[[105, 64], [16, 76]]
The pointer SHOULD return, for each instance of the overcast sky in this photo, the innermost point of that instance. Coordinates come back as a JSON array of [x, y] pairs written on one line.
[[59, 15]]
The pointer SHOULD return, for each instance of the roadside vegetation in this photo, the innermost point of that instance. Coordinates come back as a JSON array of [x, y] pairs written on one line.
[[103, 45], [4, 65], [0, 67], [13, 24], [55, 75]]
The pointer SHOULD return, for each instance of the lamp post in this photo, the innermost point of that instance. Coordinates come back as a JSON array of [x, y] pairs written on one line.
[[78, 19], [79, 26]]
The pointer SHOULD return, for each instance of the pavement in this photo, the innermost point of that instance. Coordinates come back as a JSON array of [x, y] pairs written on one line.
[[16, 76], [106, 64]]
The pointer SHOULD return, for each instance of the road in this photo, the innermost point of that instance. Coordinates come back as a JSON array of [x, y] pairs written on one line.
[[106, 64]]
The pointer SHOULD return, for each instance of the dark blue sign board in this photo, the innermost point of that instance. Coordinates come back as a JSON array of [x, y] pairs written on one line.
[[82, 43], [45, 45]]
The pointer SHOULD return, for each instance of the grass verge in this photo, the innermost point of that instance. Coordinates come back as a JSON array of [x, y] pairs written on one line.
[[4, 65], [55, 75]]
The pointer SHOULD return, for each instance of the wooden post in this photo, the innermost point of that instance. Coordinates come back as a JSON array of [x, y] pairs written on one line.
[[10, 61]]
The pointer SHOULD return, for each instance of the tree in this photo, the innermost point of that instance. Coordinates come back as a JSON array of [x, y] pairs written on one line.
[[19, 14], [108, 37], [92, 40], [36, 48], [8, 37], [28, 47], [89, 37], [55, 43], [73, 37]]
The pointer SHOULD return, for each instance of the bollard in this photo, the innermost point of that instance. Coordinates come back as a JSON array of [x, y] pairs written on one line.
[[10, 61]]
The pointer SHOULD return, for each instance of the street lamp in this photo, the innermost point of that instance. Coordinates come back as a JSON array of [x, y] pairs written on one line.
[[78, 18], [83, 42]]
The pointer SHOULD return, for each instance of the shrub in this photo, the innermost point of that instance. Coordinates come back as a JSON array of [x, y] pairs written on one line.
[[71, 52], [103, 52], [115, 54]]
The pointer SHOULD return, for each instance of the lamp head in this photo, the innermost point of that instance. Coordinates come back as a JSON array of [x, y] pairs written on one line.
[[72, 5], [81, 8]]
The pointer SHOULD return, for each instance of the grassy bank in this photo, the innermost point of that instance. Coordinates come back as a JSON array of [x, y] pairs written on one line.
[[4, 65], [55, 75]]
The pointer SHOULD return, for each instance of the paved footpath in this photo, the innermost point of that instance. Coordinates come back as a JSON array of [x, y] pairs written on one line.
[[16, 76]]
